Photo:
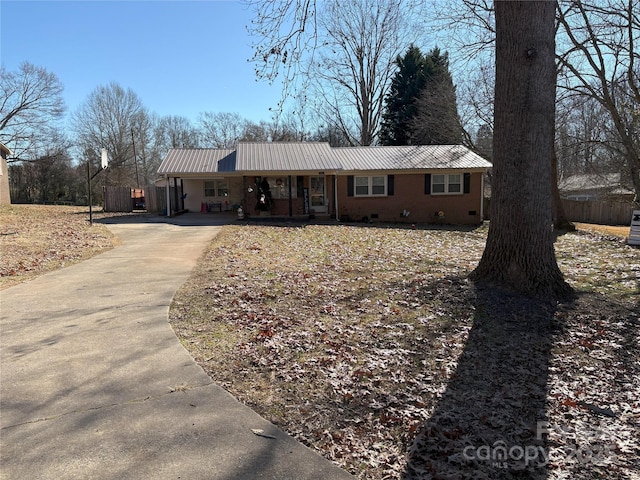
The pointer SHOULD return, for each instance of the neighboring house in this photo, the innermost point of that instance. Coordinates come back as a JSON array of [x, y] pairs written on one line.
[[586, 187], [5, 195], [428, 183]]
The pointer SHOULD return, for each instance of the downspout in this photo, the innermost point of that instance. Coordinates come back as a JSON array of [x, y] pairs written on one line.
[[168, 194]]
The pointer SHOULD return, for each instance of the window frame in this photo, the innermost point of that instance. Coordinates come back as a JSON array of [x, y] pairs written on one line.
[[222, 188], [370, 185], [446, 185], [209, 191], [215, 188]]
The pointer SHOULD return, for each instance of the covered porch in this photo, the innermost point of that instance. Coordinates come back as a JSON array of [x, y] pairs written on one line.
[[289, 195]]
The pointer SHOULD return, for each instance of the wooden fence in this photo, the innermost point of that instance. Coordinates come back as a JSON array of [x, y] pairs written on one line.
[[117, 199], [156, 198], [123, 199], [598, 212]]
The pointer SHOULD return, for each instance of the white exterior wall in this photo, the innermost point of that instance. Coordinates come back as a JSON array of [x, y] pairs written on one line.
[[194, 188]]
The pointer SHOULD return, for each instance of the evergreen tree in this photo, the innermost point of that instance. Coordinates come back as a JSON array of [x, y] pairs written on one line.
[[436, 120], [400, 104], [421, 107]]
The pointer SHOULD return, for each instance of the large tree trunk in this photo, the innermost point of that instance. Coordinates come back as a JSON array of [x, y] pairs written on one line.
[[519, 253]]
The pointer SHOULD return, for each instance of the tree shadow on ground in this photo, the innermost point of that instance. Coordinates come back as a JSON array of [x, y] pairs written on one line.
[[487, 422]]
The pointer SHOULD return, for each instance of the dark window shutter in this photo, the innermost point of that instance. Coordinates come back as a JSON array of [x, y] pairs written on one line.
[[350, 186], [467, 182], [300, 186], [427, 184], [390, 184]]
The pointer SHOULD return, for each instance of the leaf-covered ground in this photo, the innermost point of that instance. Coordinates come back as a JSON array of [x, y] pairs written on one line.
[[35, 239], [369, 345], [616, 231]]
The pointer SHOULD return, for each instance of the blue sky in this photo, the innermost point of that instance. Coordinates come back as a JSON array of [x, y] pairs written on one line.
[[179, 57]]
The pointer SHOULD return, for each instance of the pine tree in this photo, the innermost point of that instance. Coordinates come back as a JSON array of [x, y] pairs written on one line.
[[436, 121], [400, 104], [421, 107]]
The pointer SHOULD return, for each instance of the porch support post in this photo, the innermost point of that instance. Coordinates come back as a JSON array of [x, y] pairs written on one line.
[[335, 194], [175, 193], [182, 193], [168, 194], [243, 202], [290, 199]]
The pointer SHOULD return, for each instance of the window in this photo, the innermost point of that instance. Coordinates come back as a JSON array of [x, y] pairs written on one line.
[[216, 188], [362, 185], [209, 189], [370, 186], [377, 185], [438, 184], [446, 183], [455, 183], [222, 188]]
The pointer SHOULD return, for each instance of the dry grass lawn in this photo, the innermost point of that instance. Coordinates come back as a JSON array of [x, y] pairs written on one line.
[[35, 239], [622, 232], [369, 345]]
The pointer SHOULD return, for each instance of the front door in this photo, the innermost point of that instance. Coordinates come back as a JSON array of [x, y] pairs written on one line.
[[316, 195]]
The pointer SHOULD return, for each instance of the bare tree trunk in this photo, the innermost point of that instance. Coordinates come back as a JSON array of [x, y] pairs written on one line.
[[519, 253]]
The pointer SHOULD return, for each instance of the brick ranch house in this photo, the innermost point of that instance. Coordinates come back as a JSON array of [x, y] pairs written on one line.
[[415, 184]]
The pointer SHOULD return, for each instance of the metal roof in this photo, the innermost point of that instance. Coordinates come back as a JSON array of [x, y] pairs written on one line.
[[410, 157], [317, 157], [580, 182], [199, 160], [286, 156]]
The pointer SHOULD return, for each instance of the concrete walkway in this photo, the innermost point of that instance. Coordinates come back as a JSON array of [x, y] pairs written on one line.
[[94, 383]]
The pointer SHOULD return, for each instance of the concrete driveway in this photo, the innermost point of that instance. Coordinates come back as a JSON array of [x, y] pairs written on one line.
[[95, 384]]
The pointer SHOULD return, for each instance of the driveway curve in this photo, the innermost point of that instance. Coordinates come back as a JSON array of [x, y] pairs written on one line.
[[95, 384]]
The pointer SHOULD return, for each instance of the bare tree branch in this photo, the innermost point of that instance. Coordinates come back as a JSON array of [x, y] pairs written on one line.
[[600, 63], [31, 105]]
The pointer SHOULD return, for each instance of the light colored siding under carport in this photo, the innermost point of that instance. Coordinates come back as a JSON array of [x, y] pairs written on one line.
[[194, 188]]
